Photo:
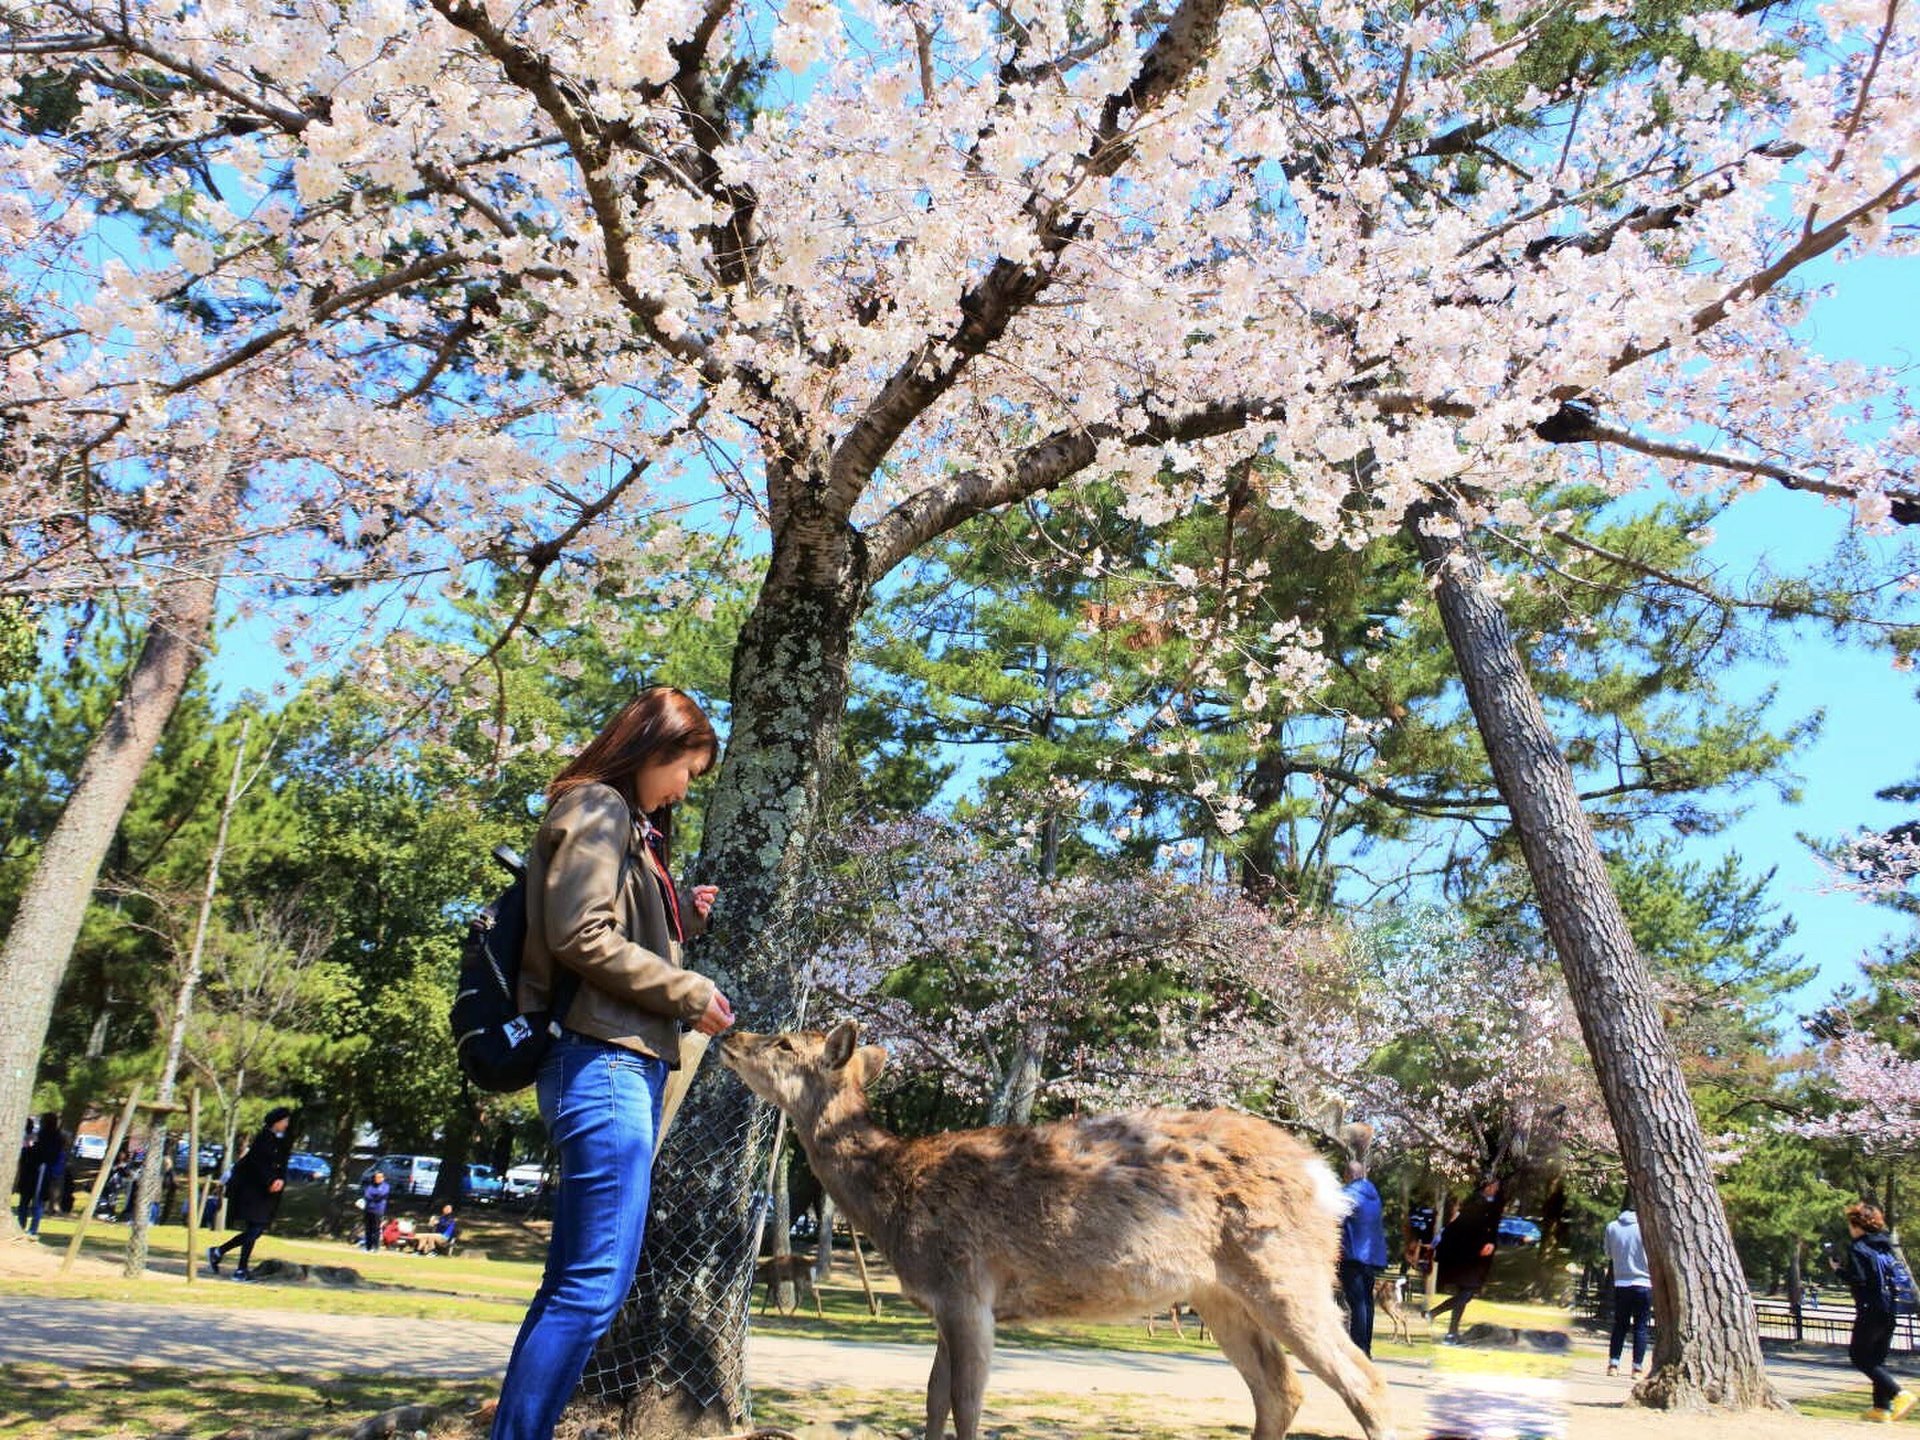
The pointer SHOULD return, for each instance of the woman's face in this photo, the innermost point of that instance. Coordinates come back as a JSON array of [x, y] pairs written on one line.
[[665, 782]]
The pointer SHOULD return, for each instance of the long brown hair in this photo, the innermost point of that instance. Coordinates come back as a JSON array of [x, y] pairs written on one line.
[[659, 724]]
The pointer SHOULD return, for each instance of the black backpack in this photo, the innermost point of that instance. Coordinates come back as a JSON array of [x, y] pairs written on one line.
[[499, 1047]]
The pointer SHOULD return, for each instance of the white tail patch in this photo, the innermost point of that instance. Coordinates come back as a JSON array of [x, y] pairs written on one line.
[[1327, 1193]]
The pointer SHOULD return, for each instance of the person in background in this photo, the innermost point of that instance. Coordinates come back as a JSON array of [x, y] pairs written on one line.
[[1632, 1290], [42, 1172], [253, 1190], [373, 1208], [1872, 1271], [1464, 1256], [1363, 1253]]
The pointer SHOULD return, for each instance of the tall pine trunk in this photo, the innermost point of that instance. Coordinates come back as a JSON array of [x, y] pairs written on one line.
[[1707, 1347], [33, 959], [675, 1357]]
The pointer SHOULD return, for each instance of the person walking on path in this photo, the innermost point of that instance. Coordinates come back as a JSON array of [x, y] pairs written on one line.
[[373, 1208], [1464, 1256], [253, 1190], [1872, 1271], [43, 1166], [1632, 1290], [1363, 1254], [602, 904]]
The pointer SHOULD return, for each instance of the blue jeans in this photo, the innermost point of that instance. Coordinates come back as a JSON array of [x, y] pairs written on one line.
[[1632, 1308], [602, 1109], [1356, 1287]]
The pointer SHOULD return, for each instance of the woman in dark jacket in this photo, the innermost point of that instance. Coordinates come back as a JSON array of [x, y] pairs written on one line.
[[1464, 1256], [253, 1190], [602, 905], [1869, 1268]]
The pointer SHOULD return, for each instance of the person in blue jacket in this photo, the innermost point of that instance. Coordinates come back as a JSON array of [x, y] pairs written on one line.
[[1363, 1254], [373, 1208]]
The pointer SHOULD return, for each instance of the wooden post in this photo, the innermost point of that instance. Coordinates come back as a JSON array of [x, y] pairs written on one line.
[[120, 1128], [193, 1183], [860, 1259]]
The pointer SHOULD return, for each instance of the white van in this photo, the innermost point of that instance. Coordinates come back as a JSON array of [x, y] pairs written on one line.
[[407, 1174]]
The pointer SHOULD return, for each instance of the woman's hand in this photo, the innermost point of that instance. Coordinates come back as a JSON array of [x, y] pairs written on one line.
[[703, 898], [1486, 1250], [718, 1016]]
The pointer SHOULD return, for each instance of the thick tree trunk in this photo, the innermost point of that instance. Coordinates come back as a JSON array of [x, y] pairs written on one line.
[[1013, 1100], [823, 1249], [674, 1360], [33, 959], [1707, 1350]]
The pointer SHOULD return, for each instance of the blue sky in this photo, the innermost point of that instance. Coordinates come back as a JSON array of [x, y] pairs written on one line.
[[1872, 733]]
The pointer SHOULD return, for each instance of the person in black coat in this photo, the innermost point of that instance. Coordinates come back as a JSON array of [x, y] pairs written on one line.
[[253, 1190], [1464, 1256], [42, 1165]]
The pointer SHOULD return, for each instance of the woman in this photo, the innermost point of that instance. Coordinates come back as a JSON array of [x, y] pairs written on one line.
[[1464, 1256], [601, 903], [253, 1190], [1869, 1272]]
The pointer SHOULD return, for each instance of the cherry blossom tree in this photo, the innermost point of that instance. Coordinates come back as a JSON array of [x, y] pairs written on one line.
[[494, 262]]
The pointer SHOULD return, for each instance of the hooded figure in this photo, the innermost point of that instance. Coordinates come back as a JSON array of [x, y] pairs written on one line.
[[1632, 1290]]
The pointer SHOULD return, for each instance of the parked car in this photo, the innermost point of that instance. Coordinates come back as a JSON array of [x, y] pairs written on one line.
[[210, 1152], [1516, 1231], [523, 1182], [90, 1147], [311, 1168], [481, 1185], [407, 1174]]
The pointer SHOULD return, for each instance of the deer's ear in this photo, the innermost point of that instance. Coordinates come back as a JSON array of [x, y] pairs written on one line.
[[841, 1041], [873, 1059]]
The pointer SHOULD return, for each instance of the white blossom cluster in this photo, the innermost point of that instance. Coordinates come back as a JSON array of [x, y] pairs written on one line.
[[379, 288]]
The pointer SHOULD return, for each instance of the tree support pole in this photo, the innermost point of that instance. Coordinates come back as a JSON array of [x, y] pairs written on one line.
[[120, 1128]]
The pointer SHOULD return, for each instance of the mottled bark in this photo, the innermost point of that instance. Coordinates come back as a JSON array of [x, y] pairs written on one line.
[[674, 1360], [823, 1247], [1707, 1347], [33, 959]]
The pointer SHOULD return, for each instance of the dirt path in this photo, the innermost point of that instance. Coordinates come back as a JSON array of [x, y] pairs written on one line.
[[1200, 1388]]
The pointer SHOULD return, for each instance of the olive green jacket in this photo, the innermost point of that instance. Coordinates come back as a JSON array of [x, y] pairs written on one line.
[[594, 906]]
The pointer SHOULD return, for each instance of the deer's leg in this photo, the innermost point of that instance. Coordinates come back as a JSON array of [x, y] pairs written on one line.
[[1308, 1323], [939, 1391], [1261, 1363], [966, 1338]]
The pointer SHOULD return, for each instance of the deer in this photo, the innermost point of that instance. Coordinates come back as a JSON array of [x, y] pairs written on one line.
[[1098, 1217], [1389, 1297]]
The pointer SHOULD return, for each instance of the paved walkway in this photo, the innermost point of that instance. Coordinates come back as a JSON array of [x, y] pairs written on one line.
[[1451, 1403]]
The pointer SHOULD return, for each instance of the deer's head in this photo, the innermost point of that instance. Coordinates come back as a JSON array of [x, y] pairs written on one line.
[[803, 1071]]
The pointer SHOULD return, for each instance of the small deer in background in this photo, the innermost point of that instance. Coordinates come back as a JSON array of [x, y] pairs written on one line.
[[777, 1270], [1389, 1297], [1108, 1216]]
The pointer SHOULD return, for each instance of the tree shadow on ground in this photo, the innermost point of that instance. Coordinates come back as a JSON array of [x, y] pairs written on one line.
[[135, 1401]]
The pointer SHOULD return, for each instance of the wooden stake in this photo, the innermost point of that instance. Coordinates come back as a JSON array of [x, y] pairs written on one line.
[[860, 1259], [193, 1183], [120, 1128]]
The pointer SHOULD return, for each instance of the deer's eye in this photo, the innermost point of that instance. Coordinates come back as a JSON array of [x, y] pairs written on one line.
[[783, 1043]]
